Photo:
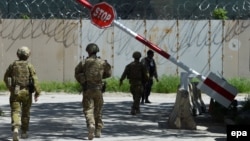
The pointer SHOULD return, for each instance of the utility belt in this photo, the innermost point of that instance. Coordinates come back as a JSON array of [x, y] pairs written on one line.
[[91, 86], [17, 88], [135, 82], [94, 86], [12, 82]]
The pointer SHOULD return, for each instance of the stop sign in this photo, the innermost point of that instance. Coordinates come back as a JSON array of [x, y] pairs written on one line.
[[102, 15]]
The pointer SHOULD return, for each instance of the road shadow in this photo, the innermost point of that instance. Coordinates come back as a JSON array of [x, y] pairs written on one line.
[[65, 120]]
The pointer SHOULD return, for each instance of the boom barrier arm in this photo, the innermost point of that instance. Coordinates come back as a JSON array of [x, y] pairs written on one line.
[[149, 44]]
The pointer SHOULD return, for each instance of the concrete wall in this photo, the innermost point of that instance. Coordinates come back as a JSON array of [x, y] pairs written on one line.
[[58, 45]]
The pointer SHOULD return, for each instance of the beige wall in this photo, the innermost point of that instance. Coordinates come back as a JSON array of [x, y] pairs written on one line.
[[54, 46], [58, 45]]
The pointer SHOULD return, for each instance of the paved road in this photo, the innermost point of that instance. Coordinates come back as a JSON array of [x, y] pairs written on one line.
[[58, 117]]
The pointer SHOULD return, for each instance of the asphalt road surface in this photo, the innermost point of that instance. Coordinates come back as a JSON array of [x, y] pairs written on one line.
[[59, 117]]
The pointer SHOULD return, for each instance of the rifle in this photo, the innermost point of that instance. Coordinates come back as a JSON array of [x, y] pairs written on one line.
[[104, 83], [84, 87], [31, 85]]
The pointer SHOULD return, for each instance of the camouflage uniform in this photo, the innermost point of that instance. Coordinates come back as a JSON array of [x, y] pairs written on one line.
[[89, 73], [18, 78], [149, 63], [137, 75]]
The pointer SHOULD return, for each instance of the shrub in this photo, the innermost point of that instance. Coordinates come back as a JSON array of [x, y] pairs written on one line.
[[242, 84], [166, 84]]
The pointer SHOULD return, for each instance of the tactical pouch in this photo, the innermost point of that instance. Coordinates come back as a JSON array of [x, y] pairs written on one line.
[[17, 89], [9, 82]]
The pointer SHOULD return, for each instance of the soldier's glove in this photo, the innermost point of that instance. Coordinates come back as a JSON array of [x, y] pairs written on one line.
[[157, 80], [36, 96]]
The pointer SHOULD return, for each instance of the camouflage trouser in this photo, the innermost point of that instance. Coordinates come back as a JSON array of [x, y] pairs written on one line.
[[20, 104], [92, 103], [137, 91]]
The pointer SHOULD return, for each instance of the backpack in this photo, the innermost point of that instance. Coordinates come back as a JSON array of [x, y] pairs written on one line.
[[20, 73], [135, 71], [93, 70]]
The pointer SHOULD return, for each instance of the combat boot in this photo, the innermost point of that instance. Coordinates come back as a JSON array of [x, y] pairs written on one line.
[[91, 132], [133, 112], [147, 101], [24, 135], [142, 101], [98, 133], [15, 134], [138, 111]]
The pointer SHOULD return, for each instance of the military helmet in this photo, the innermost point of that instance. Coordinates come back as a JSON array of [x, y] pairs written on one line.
[[23, 52], [136, 55], [92, 48]]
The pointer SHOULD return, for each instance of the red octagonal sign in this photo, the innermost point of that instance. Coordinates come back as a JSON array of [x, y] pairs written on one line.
[[102, 15]]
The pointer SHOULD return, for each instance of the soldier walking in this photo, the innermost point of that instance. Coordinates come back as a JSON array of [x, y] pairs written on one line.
[[21, 80], [137, 75], [89, 73], [149, 63]]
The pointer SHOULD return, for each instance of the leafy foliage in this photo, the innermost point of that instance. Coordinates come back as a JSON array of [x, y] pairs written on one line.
[[166, 84], [220, 13]]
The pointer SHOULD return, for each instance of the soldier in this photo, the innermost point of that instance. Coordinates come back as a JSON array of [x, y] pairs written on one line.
[[89, 73], [149, 63], [21, 80], [137, 75]]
